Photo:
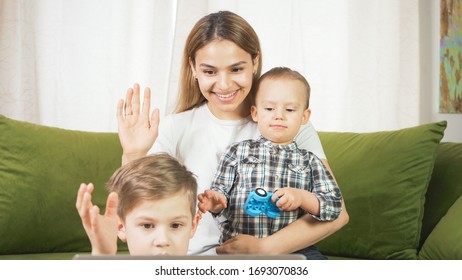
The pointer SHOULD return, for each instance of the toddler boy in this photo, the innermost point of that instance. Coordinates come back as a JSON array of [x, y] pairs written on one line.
[[296, 177]]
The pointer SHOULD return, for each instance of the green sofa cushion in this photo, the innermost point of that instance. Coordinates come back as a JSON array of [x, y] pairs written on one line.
[[383, 177], [445, 186], [445, 241], [41, 169]]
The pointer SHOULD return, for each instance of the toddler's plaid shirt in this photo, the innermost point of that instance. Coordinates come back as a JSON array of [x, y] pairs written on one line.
[[260, 163]]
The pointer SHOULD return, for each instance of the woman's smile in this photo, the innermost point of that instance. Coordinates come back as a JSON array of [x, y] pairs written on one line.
[[226, 96]]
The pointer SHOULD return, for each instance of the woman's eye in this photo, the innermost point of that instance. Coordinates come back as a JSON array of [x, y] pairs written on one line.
[[236, 70], [209, 72]]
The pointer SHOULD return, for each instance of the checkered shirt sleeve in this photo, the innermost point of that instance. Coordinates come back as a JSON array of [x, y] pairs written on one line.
[[324, 187]]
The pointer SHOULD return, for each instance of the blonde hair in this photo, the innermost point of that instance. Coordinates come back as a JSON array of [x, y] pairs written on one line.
[[285, 73], [151, 178], [223, 25]]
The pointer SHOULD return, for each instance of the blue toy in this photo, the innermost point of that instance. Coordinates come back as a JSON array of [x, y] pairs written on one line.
[[259, 201]]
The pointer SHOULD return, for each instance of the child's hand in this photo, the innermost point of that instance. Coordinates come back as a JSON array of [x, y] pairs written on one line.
[[212, 201], [100, 229], [289, 198]]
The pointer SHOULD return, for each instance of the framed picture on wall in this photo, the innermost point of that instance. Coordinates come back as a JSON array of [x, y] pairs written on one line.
[[451, 56]]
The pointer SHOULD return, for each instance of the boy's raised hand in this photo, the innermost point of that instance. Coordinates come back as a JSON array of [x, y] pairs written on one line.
[[101, 229], [212, 201], [137, 131]]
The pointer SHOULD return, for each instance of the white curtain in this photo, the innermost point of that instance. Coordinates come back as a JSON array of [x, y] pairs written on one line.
[[65, 63]]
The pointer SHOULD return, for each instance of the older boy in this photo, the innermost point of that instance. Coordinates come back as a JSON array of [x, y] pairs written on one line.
[[151, 206], [298, 178]]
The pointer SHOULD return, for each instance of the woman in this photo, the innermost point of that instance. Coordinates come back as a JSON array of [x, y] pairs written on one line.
[[222, 61]]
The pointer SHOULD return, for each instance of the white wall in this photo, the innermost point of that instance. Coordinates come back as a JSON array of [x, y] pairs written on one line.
[[373, 65]]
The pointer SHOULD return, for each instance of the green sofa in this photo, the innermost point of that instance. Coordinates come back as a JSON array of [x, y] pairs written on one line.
[[402, 190]]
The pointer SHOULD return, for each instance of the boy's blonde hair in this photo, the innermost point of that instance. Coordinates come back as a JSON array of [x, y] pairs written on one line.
[[286, 73], [152, 177], [223, 25]]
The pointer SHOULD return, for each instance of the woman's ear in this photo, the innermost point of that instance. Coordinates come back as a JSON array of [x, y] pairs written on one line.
[[121, 231], [193, 69], [256, 62]]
